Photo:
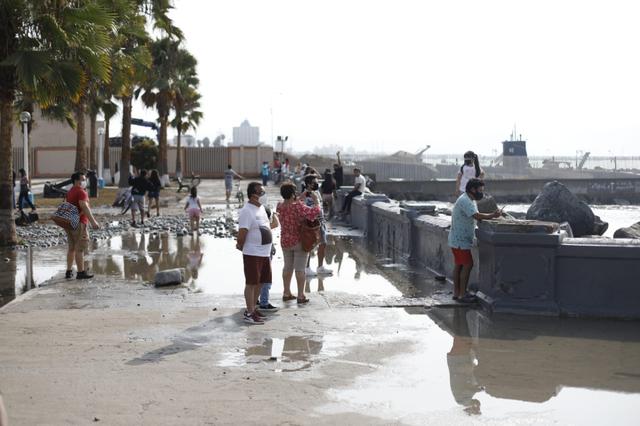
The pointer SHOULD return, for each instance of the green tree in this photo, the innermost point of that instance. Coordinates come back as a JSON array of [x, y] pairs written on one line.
[[144, 154], [37, 39]]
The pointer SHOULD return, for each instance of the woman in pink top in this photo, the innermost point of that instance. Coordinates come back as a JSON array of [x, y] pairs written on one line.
[[291, 212]]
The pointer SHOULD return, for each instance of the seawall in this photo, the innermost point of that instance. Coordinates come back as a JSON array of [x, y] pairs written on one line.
[[520, 267], [599, 191]]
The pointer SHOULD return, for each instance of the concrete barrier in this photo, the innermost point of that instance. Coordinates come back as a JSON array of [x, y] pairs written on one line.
[[520, 266]]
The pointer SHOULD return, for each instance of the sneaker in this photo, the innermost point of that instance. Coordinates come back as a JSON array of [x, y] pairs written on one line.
[[83, 275], [133, 224], [268, 308], [252, 319], [468, 298], [68, 274], [260, 315], [322, 270], [310, 272]]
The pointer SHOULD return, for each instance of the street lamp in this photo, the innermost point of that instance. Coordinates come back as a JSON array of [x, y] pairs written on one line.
[[100, 156], [25, 118], [282, 140]]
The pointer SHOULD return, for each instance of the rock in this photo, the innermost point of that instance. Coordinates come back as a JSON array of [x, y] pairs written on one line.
[[557, 204], [169, 277], [632, 231], [487, 204]]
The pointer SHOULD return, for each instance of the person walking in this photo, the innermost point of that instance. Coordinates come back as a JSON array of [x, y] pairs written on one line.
[[78, 239], [469, 170], [291, 213], [154, 192], [255, 241], [463, 217], [359, 186], [311, 187], [194, 210], [139, 187], [24, 191], [229, 174]]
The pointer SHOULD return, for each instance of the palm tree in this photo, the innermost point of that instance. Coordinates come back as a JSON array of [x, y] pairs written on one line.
[[187, 116], [172, 66], [36, 40]]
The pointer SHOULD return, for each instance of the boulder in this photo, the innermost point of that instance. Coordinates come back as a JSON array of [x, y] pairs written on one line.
[[169, 277], [632, 231], [487, 204], [599, 226], [557, 204]]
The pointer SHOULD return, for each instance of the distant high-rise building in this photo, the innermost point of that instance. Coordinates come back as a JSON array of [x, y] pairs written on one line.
[[246, 135]]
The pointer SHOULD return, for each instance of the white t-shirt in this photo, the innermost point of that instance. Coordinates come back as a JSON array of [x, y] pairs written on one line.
[[468, 173], [360, 180], [193, 202], [259, 238]]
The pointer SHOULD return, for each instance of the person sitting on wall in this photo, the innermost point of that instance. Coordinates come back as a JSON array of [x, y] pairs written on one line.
[[359, 186], [463, 216]]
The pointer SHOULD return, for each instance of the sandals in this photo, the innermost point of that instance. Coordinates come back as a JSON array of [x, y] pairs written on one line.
[[288, 298], [302, 301]]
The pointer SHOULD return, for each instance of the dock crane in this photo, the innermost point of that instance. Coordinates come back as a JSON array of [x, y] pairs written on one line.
[[583, 160]]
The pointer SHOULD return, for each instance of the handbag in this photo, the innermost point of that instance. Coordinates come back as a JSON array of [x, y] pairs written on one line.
[[66, 216], [309, 234]]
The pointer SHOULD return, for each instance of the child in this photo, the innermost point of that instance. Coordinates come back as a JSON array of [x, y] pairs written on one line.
[[194, 209]]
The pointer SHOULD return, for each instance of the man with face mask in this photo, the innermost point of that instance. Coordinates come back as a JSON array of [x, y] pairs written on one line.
[[463, 217], [255, 242], [78, 239]]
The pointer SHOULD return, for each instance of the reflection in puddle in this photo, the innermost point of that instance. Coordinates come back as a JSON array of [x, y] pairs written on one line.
[[293, 353]]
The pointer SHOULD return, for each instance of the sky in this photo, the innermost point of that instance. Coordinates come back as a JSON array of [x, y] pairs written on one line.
[[388, 75]]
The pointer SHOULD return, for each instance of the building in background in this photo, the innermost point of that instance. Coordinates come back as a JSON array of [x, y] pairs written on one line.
[[246, 135]]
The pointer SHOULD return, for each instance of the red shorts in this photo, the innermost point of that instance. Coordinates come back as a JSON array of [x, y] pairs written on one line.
[[462, 257], [257, 270]]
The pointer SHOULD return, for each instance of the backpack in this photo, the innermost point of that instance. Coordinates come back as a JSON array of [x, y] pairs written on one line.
[[67, 216], [309, 234]]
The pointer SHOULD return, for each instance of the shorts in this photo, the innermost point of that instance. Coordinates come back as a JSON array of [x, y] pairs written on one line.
[[78, 239], [228, 185], [327, 198], [257, 269], [194, 213], [462, 257], [137, 201], [154, 194], [295, 259]]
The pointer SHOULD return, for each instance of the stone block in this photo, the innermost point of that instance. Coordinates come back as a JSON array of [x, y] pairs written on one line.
[[169, 277]]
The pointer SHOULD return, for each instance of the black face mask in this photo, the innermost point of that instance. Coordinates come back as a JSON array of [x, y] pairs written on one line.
[[468, 162], [478, 195], [314, 186]]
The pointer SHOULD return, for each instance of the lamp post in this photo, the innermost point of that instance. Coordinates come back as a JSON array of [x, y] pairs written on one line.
[[25, 118], [100, 156]]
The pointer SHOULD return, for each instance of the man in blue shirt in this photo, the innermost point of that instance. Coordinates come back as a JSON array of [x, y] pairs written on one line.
[[463, 217], [264, 173]]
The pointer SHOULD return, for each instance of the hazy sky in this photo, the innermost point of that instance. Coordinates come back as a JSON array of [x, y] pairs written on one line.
[[387, 75]]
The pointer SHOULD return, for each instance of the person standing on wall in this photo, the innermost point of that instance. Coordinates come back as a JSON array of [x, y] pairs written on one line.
[[469, 170], [338, 173], [463, 217], [78, 239]]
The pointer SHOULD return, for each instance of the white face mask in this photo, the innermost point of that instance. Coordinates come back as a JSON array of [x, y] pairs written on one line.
[[263, 200], [83, 184]]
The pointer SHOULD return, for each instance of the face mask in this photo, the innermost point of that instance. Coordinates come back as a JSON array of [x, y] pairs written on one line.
[[468, 162], [263, 199], [83, 184], [315, 186], [479, 195]]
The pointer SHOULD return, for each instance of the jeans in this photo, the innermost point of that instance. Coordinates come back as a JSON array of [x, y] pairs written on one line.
[[24, 196], [346, 206], [265, 179], [264, 294]]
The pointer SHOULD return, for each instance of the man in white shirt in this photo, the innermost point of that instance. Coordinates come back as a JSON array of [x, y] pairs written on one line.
[[254, 240], [359, 186]]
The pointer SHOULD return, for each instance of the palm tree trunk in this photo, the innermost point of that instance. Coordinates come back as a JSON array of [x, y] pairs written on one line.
[[81, 143], [92, 142], [125, 157], [105, 152], [7, 226], [179, 156], [163, 164]]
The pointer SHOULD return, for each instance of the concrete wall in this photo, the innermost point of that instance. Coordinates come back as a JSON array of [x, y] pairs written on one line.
[[518, 190], [521, 267], [50, 133]]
